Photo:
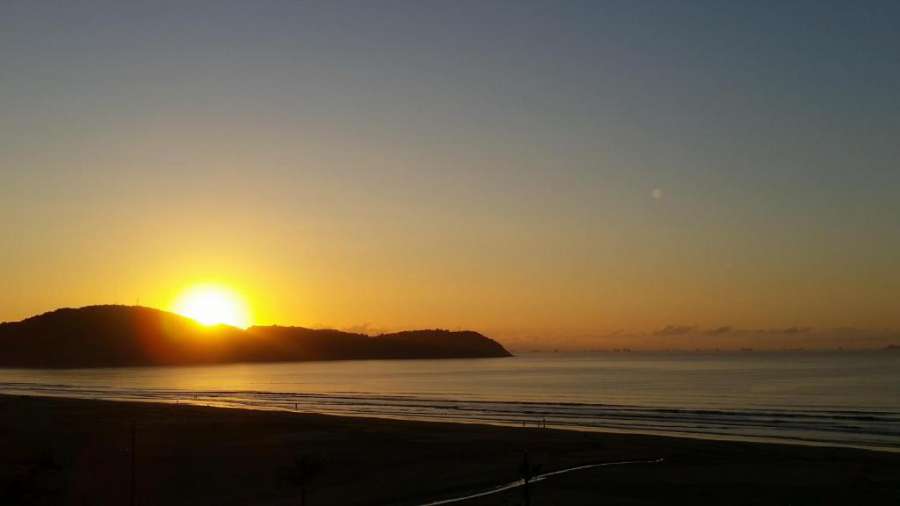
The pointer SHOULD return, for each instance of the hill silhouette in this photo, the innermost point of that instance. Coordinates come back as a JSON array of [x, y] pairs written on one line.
[[114, 336]]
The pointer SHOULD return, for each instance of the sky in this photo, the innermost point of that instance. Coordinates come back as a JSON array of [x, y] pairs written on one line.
[[547, 173]]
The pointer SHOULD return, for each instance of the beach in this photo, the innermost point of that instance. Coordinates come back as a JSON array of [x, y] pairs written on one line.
[[67, 451]]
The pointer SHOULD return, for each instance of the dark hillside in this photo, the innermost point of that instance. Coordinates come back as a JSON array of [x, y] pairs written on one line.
[[111, 336]]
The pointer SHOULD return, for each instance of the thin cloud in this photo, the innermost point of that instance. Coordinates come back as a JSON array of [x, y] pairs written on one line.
[[675, 330]]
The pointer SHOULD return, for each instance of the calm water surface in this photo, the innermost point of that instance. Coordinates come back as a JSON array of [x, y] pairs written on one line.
[[850, 398]]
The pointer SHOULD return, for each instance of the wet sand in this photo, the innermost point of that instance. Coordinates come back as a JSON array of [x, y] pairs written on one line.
[[63, 451]]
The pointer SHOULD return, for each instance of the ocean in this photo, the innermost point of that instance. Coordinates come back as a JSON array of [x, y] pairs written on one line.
[[822, 398]]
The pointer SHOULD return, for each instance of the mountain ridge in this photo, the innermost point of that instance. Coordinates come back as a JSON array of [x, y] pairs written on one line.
[[116, 335]]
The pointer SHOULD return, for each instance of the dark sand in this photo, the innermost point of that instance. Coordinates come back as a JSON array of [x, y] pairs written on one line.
[[61, 451]]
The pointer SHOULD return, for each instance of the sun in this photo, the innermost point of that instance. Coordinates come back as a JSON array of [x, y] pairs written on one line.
[[213, 304]]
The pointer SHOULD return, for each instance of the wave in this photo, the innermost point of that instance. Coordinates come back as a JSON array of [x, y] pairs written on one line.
[[875, 429], [541, 477]]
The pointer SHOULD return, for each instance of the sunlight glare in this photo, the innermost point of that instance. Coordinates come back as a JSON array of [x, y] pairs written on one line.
[[213, 304]]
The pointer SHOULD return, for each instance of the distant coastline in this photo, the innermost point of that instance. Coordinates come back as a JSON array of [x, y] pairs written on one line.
[[121, 336]]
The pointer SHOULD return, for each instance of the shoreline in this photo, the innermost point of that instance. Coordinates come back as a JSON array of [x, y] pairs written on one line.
[[76, 450], [512, 424]]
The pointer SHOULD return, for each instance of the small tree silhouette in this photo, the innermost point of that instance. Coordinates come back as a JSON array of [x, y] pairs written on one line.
[[306, 467], [527, 471]]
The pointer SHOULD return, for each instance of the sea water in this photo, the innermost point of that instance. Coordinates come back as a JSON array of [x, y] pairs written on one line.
[[830, 398]]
